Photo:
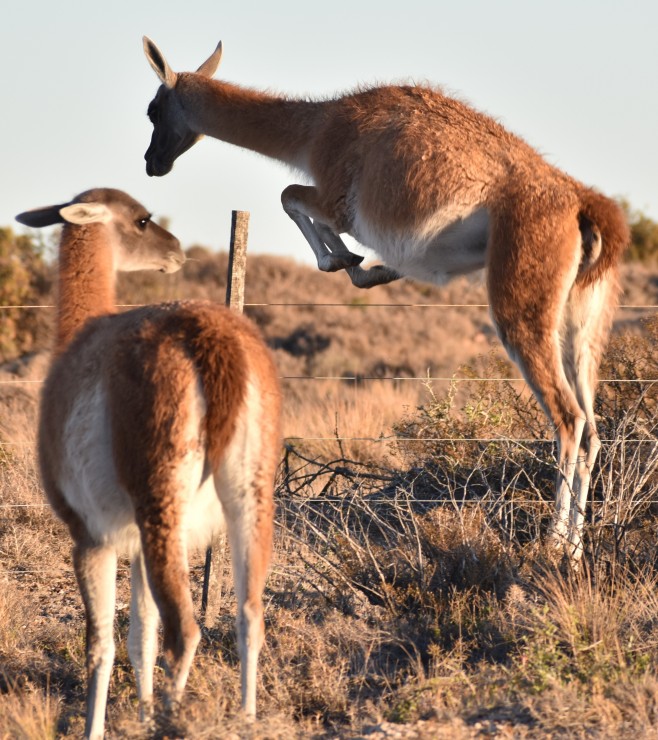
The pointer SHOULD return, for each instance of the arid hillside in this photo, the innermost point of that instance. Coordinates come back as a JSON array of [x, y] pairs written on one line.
[[321, 327]]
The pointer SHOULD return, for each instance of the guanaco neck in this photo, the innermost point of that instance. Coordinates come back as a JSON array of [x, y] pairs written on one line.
[[271, 125], [87, 280]]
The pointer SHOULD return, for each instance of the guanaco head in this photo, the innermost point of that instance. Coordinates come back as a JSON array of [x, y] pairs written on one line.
[[172, 134], [137, 242]]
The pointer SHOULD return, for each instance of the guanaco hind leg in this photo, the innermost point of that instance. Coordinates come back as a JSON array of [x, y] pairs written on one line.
[[244, 480], [249, 529], [588, 319], [166, 562], [530, 308], [542, 368], [142, 635], [96, 570]]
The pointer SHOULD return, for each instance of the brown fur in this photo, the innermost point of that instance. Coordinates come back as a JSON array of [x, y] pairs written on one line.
[[409, 149], [151, 359], [135, 404], [437, 189], [81, 296]]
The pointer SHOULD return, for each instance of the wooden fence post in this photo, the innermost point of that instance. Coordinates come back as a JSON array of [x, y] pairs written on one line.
[[213, 572]]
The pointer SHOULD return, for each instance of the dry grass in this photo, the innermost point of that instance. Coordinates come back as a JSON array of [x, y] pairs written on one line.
[[26, 714], [350, 420], [386, 607], [410, 595]]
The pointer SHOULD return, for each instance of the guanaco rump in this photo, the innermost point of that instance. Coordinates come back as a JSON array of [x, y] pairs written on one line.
[[436, 189], [158, 427]]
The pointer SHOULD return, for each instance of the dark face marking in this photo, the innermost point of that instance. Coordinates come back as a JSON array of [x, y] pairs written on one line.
[[171, 135]]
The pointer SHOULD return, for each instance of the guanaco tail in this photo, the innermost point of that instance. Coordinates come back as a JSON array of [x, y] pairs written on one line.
[[158, 427], [437, 190]]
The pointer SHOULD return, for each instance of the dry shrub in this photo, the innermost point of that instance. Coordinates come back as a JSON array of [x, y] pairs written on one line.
[[30, 536], [28, 714], [14, 615], [588, 649], [444, 555], [604, 624], [317, 663], [410, 586], [42, 664], [640, 706], [512, 475], [431, 575]]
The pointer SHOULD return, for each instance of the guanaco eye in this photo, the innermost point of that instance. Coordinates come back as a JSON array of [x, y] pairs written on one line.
[[142, 223]]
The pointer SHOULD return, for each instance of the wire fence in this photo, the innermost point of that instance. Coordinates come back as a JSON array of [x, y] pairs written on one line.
[[359, 378], [355, 379]]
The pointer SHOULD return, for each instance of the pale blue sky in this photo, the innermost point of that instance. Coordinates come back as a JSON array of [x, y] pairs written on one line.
[[577, 79]]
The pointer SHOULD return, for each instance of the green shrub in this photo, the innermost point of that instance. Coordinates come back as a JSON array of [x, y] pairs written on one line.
[[644, 235], [24, 280]]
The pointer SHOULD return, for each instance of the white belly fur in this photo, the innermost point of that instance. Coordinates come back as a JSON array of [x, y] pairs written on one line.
[[451, 243], [90, 484]]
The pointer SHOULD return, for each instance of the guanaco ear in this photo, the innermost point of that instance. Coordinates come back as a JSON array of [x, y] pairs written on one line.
[[40, 217], [156, 59], [209, 67], [86, 213]]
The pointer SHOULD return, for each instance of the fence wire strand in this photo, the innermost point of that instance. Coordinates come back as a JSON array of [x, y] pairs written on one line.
[[623, 306], [394, 439]]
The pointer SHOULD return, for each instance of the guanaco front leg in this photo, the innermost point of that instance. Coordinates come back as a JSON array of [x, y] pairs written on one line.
[[300, 203], [375, 275]]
